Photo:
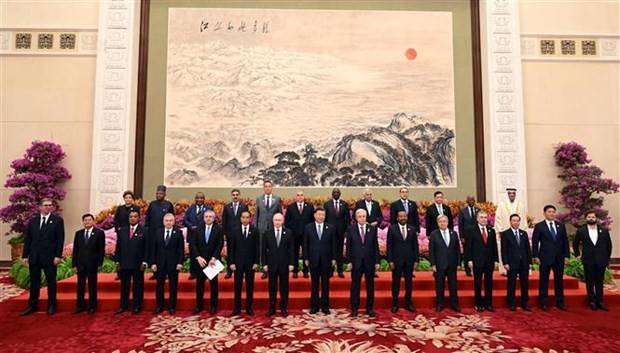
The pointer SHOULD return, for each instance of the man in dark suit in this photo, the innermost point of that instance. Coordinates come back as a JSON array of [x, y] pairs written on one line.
[[167, 255], [517, 259], [194, 218], [467, 220], [319, 254], [43, 243], [267, 205], [298, 216], [337, 214], [205, 249], [373, 209], [278, 258], [482, 258], [551, 251], [435, 210], [363, 257], [231, 220], [87, 259], [243, 259], [595, 257], [154, 220], [403, 255], [410, 208], [445, 256], [131, 259]]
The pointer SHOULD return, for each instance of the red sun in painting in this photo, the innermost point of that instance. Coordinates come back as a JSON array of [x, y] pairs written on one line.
[[411, 53]]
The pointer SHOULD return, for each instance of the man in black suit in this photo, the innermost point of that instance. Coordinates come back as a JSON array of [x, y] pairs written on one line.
[[482, 258], [337, 214], [445, 256], [205, 249], [87, 259], [131, 259], [363, 257], [551, 251], [298, 216], [243, 259], [435, 210], [231, 220], [373, 209], [194, 218], [319, 254], [403, 255], [167, 255], [410, 208], [517, 259], [278, 258], [467, 220], [43, 243], [154, 220], [595, 257]]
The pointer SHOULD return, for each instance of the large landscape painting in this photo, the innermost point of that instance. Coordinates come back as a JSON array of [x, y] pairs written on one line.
[[309, 98]]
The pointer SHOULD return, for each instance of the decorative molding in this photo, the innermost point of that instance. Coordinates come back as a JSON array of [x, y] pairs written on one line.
[[48, 41], [115, 101], [504, 92], [570, 47]]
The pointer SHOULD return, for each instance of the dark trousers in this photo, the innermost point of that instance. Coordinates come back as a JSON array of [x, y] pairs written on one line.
[[138, 288], [194, 268], [465, 260], [398, 272], [281, 275], [228, 270], [82, 275], [200, 290], [247, 272], [558, 285], [298, 242], [440, 281], [483, 273], [339, 250], [356, 283], [524, 276], [173, 282], [595, 275], [319, 274], [35, 283]]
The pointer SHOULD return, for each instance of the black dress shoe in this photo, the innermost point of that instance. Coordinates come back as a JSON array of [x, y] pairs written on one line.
[[120, 311], [264, 275], [91, 311], [159, 310], [593, 306], [456, 308], [306, 275], [172, 311], [196, 310], [468, 274], [213, 310], [271, 312], [439, 308], [326, 311], [479, 309], [489, 308], [235, 312], [602, 306], [340, 275], [526, 307], [545, 307], [51, 310], [228, 275], [370, 313], [410, 308], [295, 275], [561, 307], [249, 312], [152, 278], [513, 308], [354, 312], [136, 311], [29, 310], [284, 313], [394, 309], [191, 276], [78, 311], [313, 311]]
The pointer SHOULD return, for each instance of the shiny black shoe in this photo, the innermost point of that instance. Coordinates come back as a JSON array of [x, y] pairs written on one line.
[[544, 307], [91, 311], [370, 313], [561, 307], [313, 311], [159, 310], [410, 308], [354, 313], [78, 311], [456, 308], [340, 275], [235, 312], [602, 306], [306, 275], [479, 309], [249, 312], [326, 311], [295, 275], [51, 309], [439, 308], [489, 309], [172, 311], [136, 311], [513, 308], [394, 309], [593, 306], [284, 313], [197, 310], [271, 312], [526, 308], [119, 311], [213, 310], [191, 276], [152, 278], [29, 310]]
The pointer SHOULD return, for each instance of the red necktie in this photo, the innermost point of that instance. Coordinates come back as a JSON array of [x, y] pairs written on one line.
[[301, 208], [403, 232], [484, 235], [131, 230], [362, 234], [337, 207]]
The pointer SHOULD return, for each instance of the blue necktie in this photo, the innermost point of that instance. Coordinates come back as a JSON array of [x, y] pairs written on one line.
[[207, 234], [552, 230], [406, 206], [319, 232]]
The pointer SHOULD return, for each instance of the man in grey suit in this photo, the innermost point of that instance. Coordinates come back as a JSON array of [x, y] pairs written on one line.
[[267, 205]]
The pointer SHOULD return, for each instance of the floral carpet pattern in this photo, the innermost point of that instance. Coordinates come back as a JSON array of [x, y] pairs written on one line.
[[7, 288]]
